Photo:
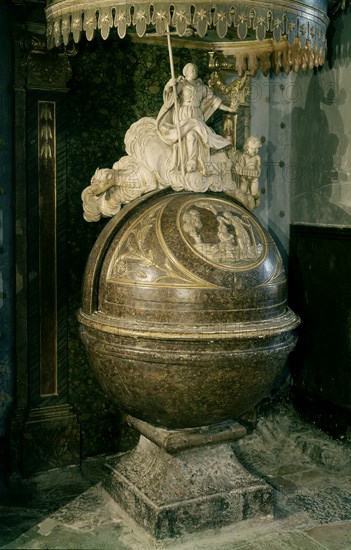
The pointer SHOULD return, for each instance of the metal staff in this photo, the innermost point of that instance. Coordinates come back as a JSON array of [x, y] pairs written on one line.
[[176, 108]]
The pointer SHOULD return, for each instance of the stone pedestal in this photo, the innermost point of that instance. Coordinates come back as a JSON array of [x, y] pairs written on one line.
[[175, 484]]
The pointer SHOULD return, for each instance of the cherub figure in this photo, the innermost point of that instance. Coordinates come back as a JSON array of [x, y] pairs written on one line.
[[248, 168]]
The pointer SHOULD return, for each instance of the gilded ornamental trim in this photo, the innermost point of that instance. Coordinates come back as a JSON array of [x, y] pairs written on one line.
[[305, 22]]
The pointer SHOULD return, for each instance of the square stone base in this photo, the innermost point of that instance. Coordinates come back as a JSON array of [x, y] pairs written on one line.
[[48, 437], [172, 494]]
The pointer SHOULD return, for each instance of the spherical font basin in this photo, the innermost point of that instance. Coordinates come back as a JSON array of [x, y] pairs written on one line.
[[184, 314]]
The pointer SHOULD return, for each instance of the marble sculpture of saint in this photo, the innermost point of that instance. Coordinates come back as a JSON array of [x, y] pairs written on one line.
[[197, 103]]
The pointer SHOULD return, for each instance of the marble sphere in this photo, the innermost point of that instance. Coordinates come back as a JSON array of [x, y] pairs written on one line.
[[184, 313]]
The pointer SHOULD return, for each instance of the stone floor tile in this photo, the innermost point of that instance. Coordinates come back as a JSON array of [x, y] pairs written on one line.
[[287, 469], [326, 505], [6, 534], [282, 484], [333, 537], [272, 541], [305, 477], [63, 538], [285, 541], [15, 521]]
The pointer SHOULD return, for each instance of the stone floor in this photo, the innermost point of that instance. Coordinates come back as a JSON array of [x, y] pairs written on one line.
[[310, 473]]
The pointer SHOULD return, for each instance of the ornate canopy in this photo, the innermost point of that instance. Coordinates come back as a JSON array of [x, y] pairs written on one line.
[[300, 26]]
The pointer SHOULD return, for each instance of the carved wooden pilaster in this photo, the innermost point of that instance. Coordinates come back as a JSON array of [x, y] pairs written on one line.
[[20, 182], [47, 191], [45, 431], [44, 69]]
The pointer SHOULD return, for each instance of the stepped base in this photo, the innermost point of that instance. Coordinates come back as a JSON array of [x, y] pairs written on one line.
[[169, 494]]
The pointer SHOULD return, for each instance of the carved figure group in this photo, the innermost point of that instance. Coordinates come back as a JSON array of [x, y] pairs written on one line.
[[232, 241], [179, 150]]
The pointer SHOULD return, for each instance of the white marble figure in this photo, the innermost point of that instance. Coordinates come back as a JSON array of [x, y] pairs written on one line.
[[248, 168], [153, 155], [196, 104]]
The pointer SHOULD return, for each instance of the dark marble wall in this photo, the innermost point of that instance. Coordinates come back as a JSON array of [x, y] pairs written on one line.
[[114, 83], [320, 291], [6, 231]]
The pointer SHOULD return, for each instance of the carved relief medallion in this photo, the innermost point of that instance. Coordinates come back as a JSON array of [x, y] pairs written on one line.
[[222, 234], [190, 241]]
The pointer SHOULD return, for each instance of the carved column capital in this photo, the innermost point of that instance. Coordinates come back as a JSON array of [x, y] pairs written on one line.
[[233, 90], [43, 69]]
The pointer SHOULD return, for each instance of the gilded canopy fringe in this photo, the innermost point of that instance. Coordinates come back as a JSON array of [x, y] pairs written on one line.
[[68, 19]]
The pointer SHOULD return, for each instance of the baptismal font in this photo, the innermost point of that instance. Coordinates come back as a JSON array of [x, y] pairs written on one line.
[[184, 314]]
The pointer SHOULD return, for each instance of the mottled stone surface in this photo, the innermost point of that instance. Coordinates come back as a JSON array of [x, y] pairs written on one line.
[[186, 329], [335, 537], [50, 439], [196, 489], [173, 441], [68, 509]]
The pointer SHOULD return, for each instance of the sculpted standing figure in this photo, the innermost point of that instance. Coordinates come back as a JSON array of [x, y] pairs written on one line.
[[196, 104], [248, 168]]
